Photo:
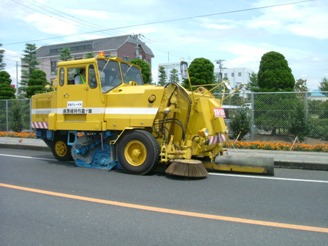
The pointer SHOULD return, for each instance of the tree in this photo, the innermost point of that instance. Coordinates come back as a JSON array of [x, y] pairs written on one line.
[[36, 83], [299, 125], [324, 86], [240, 123], [6, 91], [88, 55], [145, 69], [2, 64], [275, 76], [201, 72], [29, 64], [274, 73], [301, 86], [162, 76], [174, 77], [16, 122], [253, 84], [65, 54]]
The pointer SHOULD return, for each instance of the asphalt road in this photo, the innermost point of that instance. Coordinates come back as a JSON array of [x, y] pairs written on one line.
[[46, 202]]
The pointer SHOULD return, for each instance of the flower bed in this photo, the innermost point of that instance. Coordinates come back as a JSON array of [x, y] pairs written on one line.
[[278, 146], [18, 134]]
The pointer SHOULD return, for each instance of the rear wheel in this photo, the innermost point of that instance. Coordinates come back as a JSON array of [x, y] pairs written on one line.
[[60, 149], [138, 152]]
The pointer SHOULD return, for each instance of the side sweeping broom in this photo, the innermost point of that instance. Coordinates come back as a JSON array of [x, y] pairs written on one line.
[[187, 168]]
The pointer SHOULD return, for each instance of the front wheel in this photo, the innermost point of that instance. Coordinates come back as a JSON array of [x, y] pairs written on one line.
[[138, 152], [60, 149]]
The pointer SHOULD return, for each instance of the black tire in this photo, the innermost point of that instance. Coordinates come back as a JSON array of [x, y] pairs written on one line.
[[60, 150], [138, 152]]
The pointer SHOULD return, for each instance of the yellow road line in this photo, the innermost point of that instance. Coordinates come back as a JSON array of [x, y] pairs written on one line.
[[171, 211]]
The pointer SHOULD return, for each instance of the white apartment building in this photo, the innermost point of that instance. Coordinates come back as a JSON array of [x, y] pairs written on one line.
[[236, 76], [168, 68]]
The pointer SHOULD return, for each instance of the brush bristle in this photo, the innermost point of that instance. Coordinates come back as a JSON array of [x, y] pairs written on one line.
[[187, 168]]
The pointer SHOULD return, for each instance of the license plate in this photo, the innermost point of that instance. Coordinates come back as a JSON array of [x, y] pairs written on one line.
[[219, 112]]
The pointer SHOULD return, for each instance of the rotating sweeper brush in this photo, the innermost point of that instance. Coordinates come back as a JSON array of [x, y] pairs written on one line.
[[187, 168]]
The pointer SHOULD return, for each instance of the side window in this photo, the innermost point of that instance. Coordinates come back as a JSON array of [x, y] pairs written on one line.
[[76, 76], [92, 77], [61, 76]]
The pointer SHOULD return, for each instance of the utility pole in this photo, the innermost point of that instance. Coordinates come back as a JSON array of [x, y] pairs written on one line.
[[220, 63], [16, 79], [137, 49]]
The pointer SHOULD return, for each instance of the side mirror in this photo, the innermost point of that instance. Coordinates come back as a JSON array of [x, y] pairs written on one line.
[[184, 70]]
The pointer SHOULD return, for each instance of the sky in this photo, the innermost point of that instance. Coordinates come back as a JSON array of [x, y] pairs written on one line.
[[239, 32]]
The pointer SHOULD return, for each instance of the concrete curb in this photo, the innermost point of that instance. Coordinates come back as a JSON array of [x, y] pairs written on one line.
[[23, 143], [19, 146], [301, 165], [288, 159]]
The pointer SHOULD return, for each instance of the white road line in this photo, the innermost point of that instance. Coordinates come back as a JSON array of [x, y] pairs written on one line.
[[27, 157], [214, 174], [270, 178]]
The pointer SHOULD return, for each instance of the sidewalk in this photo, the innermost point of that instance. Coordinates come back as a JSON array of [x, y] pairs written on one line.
[[22, 143], [284, 159]]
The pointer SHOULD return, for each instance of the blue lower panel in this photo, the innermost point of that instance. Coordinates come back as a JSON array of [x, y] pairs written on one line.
[[98, 157]]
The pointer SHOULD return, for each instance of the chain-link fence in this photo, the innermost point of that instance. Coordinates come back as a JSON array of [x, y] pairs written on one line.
[[15, 115], [254, 116], [278, 116]]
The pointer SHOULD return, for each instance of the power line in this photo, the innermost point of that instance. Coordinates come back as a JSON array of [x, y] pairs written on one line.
[[166, 21], [54, 13]]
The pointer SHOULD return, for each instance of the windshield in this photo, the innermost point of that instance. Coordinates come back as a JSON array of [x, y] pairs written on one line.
[[131, 73], [110, 75]]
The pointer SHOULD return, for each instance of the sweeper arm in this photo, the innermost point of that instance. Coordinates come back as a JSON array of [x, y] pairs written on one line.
[[242, 164]]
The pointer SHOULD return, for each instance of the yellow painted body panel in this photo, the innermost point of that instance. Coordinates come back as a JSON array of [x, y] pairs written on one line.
[[235, 168], [129, 106], [42, 106]]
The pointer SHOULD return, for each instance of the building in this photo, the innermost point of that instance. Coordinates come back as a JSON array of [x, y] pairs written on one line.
[[126, 47], [318, 96], [236, 76], [168, 68]]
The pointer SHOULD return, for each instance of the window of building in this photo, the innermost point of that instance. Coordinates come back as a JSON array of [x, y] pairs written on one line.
[[225, 75], [232, 74], [239, 74], [54, 51], [53, 65]]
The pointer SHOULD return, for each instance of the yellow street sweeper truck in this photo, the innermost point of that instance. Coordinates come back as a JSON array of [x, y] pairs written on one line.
[[99, 113]]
